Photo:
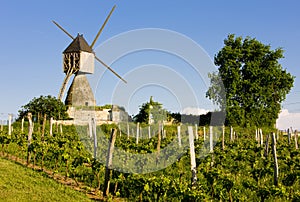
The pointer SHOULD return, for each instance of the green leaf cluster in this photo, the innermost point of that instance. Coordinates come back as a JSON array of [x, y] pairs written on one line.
[[48, 105]]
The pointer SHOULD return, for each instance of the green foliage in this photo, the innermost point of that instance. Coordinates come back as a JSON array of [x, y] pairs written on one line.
[[151, 112], [239, 173], [254, 82], [48, 105]]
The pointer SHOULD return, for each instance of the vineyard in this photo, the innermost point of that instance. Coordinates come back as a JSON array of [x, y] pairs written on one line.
[[228, 168]]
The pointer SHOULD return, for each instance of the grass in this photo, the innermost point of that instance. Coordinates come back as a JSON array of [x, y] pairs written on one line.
[[18, 183]]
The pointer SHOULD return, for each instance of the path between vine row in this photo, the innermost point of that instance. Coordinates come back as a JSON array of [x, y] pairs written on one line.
[[92, 193]]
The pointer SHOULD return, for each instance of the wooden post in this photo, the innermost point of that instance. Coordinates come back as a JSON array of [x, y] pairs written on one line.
[[9, 124], [1, 125], [261, 138], [22, 126], [231, 133], [137, 132], [44, 126], [149, 132], [296, 139], [164, 134], [128, 129], [94, 128], [211, 146], [256, 136], [158, 142], [179, 135], [120, 131], [223, 137], [289, 135], [275, 160], [90, 129], [109, 162], [192, 154], [30, 130], [267, 146], [60, 126], [159, 137], [51, 129], [196, 131], [204, 133]]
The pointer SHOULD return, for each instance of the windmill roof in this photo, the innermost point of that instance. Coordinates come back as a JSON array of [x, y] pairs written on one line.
[[78, 44]]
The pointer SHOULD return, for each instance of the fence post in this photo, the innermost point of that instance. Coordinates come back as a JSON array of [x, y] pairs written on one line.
[[128, 129], [30, 130], [22, 127], [275, 160], [179, 135], [137, 132], [196, 131], [51, 129], [192, 154], [289, 135], [223, 137], [231, 133], [296, 139], [9, 124], [149, 132], [204, 133], [44, 126], [261, 138], [267, 146], [211, 146], [94, 128], [109, 162]]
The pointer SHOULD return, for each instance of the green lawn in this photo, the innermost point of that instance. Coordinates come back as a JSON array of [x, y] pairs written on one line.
[[18, 183]]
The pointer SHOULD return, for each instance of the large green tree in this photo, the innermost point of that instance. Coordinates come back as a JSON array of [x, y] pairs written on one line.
[[42, 105], [255, 84]]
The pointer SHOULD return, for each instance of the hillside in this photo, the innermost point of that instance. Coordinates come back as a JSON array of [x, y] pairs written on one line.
[[19, 183]]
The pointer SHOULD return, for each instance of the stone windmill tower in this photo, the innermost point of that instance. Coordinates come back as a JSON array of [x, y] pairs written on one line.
[[78, 59]]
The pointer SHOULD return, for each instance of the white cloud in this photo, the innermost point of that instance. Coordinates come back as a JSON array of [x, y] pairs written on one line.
[[194, 111], [286, 120]]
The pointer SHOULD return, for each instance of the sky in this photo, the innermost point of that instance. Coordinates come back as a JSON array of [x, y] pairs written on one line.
[[32, 46]]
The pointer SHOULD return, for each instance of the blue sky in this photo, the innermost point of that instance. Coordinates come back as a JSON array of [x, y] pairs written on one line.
[[31, 45]]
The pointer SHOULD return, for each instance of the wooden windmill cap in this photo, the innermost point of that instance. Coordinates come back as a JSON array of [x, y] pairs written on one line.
[[79, 44]]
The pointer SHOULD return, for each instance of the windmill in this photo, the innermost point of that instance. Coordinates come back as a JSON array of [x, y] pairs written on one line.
[[78, 59]]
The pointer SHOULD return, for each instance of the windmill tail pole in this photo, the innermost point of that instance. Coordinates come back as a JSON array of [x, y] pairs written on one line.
[[64, 85]]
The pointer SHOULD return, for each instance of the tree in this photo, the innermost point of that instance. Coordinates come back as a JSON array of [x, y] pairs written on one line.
[[48, 105], [151, 112], [255, 84]]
